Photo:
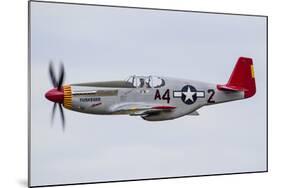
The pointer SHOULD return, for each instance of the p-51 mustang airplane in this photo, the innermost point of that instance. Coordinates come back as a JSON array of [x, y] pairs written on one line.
[[153, 98]]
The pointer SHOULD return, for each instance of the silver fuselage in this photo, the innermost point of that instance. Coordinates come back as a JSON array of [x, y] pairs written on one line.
[[104, 100]]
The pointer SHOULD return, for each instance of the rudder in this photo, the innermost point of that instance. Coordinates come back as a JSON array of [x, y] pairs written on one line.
[[242, 78]]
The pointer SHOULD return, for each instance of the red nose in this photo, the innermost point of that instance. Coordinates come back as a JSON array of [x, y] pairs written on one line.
[[55, 95]]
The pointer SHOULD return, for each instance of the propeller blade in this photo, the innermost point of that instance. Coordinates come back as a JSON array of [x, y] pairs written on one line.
[[53, 111], [61, 76], [52, 74], [57, 83], [62, 116]]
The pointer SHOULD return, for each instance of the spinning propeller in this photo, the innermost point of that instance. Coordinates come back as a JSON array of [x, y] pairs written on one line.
[[56, 94]]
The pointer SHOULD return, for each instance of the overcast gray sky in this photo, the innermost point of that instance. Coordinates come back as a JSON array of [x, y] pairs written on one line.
[[104, 43]]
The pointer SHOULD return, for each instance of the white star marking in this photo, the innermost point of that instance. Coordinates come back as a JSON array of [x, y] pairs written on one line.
[[188, 94]]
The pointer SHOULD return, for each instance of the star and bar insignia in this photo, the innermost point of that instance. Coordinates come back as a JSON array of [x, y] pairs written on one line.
[[189, 94]]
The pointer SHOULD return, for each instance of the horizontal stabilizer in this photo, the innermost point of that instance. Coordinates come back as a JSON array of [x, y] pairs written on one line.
[[230, 88]]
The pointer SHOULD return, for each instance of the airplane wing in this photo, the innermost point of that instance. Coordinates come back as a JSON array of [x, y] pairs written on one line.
[[140, 109]]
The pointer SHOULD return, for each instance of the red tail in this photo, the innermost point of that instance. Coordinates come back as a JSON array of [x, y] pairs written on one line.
[[242, 78]]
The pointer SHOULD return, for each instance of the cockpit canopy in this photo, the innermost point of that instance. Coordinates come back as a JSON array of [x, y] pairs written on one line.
[[146, 81]]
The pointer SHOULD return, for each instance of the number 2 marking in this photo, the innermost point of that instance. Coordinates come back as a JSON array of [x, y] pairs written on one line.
[[210, 100]]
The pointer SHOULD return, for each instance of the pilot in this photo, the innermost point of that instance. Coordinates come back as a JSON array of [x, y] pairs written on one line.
[[141, 82], [147, 85]]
